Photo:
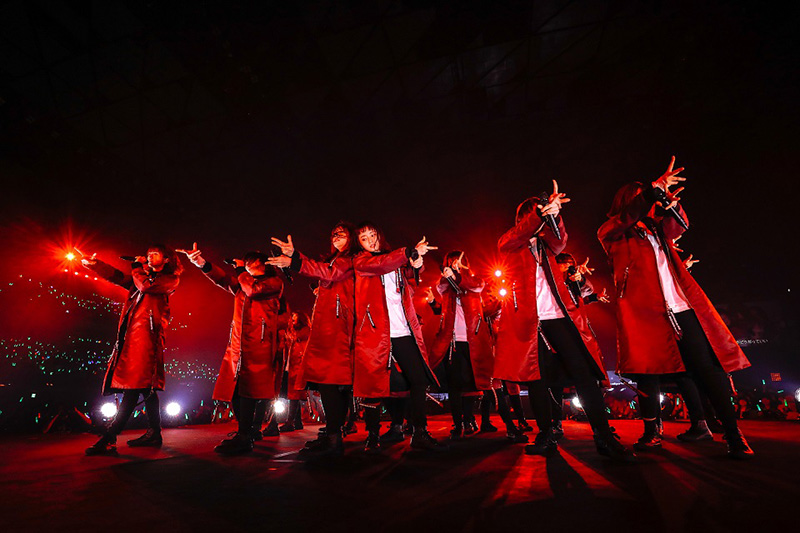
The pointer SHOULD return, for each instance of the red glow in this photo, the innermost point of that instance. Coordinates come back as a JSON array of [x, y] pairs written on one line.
[[498, 273], [503, 292]]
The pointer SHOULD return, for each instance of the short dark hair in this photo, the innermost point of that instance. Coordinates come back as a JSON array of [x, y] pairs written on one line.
[[526, 207], [451, 257], [383, 246], [255, 255], [352, 245], [624, 197], [564, 257], [172, 264]]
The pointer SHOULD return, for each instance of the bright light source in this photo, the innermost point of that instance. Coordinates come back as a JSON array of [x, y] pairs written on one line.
[[797, 395], [173, 409], [503, 292], [108, 409], [662, 398], [577, 402], [498, 273], [279, 406], [70, 256]]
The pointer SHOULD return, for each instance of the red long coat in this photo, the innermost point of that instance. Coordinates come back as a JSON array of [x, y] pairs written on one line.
[[646, 341], [296, 339], [249, 359], [478, 336], [517, 350], [137, 361], [372, 335], [329, 354]]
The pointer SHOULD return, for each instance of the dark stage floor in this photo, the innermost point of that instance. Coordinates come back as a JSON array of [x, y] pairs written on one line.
[[482, 484]]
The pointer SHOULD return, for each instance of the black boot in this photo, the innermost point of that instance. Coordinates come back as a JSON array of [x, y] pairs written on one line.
[[737, 446], [422, 440], [513, 434], [487, 427], [287, 427], [256, 435], [608, 444], [373, 444], [558, 430], [544, 444], [326, 446], [272, 429], [457, 433], [470, 427], [699, 431], [237, 445], [650, 441], [393, 434], [107, 445], [151, 438], [524, 426], [350, 428]]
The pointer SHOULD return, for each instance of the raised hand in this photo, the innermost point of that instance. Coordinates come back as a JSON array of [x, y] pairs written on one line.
[[280, 261], [675, 245], [690, 261], [287, 248], [584, 269], [88, 261], [429, 295], [448, 272], [670, 177], [416, 263], [194, 255], [458, 264], [423, 247], [603, 297]]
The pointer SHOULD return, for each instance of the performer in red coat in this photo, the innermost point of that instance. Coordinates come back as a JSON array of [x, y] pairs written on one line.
[[296, 340], [136, 365], [543, 337], [665, 322], [328, 359], [247, 373], [390, 355]]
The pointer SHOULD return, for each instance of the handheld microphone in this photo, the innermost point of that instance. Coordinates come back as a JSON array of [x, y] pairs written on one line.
[[129, 258], [454, 285], [285, 271], [230, 261], [550, 220], [661, 198]]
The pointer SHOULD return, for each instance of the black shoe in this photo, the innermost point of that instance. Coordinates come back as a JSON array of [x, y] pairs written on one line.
[[543, 444], [272, 430], [513, 434], [737, 446], [373, 444], [524, 426], [287, 427], [150, 438], [238, 445], [608, 444], [350, 428], [647, 442], [470, 427], [408, 429], [393, 434], [107, 445], [487, 427], [256, 435], [326, 446], [457, 433], [715, 426], [558, 430], [422, 440], [696, 433]]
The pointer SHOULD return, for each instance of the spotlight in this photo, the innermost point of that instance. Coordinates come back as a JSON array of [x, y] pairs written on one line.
[[108, 410], [279, 406], [173, 409], [70, 256], [577, 402], [662, 398], [797, 395], [503, 292], [498, 273]]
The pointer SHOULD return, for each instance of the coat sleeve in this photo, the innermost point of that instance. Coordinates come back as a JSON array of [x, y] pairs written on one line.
[[471, 283], [339, 269], [161, 284], [376, 265], [266, 287], [109, 273], [672, 230], [615, 227], [220, 278], [530, 226]]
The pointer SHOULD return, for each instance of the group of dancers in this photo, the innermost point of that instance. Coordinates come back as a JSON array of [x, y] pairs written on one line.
[[365, 338]]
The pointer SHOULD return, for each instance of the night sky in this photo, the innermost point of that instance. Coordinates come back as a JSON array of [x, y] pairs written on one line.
[[125, 123]]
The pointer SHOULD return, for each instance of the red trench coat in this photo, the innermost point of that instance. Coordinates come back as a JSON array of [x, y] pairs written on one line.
[[372, 335], [137, 361], [329, 354], [517, 351], [478, 335], [249, 357], [296, 340], [646, 341]]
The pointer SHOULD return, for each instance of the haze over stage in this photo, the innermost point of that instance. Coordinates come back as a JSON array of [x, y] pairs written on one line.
[[483, 484]]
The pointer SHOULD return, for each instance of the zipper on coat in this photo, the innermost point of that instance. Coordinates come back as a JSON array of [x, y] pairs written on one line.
[[478, 327], [263, 328], [391, 357], [674, 323], [338, 304], [230, 335], [624, 282], [152, 323], [514, 295], [544, 338], [369, 317]]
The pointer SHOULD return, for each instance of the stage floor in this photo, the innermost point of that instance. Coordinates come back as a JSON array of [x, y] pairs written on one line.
[[481, 484]]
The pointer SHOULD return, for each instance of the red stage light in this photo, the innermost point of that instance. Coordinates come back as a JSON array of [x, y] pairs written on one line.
[[498, 273], [503, 292], [70, 256]]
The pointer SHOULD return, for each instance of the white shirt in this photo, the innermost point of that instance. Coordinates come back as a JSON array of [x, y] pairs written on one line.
[[672, 292], [461, 323], [398, 325], [546, 305]]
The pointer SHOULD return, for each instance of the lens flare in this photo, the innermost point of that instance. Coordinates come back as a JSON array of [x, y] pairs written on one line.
[[279, 406], [173, 409], [108, 409]]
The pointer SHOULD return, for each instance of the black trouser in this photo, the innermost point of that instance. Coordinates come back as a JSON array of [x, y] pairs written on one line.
[[460, 377], [409, 360], [516, 405], [130, 398], [396, 407], [570, 354], [335, 402], [558, 403], [249, 412], [703, 368], [502, 407]]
